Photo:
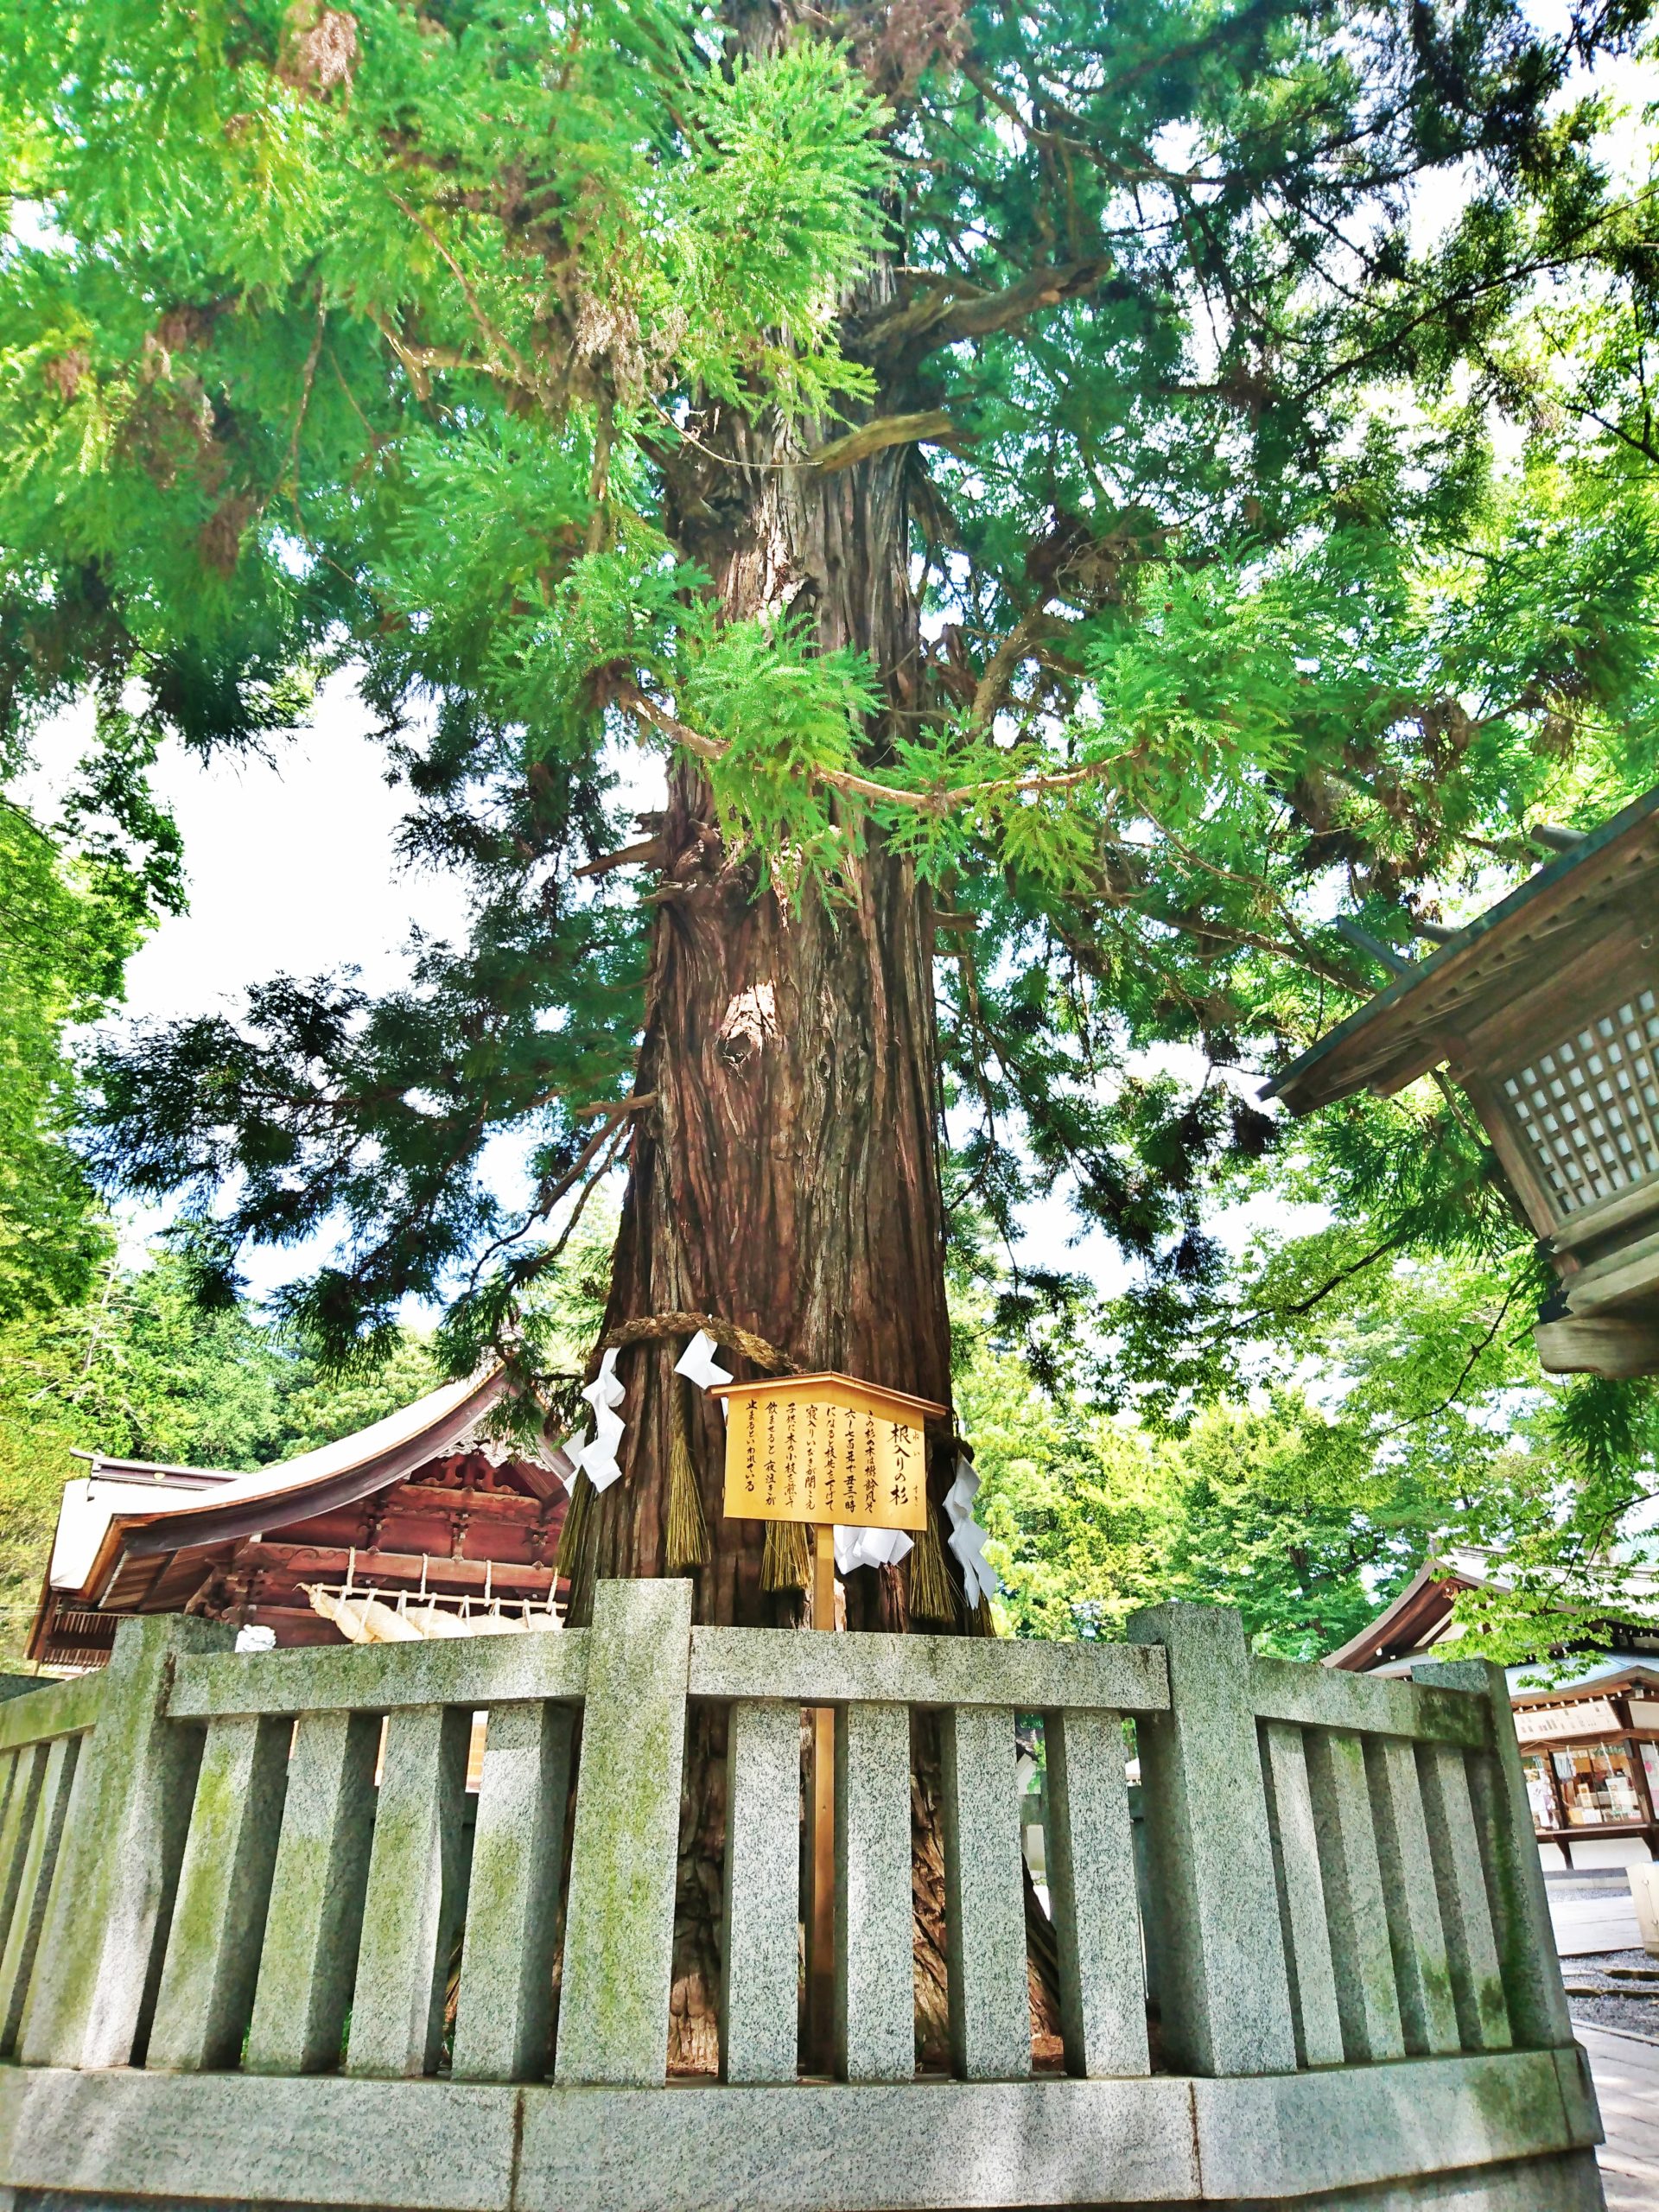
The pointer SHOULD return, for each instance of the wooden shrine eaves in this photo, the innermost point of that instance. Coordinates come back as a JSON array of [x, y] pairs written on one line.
[[1419, 1022]]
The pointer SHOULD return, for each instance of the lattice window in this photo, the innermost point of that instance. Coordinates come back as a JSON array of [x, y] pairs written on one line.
[[1589, 1109]]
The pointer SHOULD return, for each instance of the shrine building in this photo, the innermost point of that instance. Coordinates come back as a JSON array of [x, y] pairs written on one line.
[[1587, 1722], [424, 1523], [1546, 1011]]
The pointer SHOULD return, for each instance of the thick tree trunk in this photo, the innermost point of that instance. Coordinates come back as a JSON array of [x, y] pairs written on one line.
[[787, 1177]]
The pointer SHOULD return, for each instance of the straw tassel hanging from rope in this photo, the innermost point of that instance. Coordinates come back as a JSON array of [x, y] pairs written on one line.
[[932, 1596], [785, 1563], [686, 1537], [577, 1543]]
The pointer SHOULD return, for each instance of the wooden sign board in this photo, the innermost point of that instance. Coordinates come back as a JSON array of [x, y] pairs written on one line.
[[826, 1448]]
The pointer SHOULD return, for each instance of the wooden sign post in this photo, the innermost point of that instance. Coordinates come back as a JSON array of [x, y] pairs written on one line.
[[828, 1449]]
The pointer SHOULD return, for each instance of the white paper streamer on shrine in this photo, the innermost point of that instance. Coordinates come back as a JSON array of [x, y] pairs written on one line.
[[597, 1457], [363, 1616], [869, 1547], [967, 1538]]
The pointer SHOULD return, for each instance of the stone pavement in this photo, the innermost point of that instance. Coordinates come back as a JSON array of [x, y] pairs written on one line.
[[1627, 2085], [1592, 1915]]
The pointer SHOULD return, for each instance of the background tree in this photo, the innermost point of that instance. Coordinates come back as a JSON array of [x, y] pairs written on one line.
[[1369, 1419], [76, 898], [49, 969]]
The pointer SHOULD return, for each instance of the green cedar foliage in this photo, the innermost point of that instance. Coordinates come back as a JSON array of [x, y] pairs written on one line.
[[48, 1239], [378, 333]]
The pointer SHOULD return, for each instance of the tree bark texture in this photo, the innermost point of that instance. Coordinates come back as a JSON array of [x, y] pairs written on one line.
[[786, 1178]]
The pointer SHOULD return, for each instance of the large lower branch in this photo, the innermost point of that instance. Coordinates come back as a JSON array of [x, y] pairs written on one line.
[[948, 313], [934, 426], [943, 800]]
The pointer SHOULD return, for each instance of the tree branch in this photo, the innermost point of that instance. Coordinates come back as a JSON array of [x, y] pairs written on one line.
[[629, 696], [1342, 1276], [308, 377], [645, 854], [993, 687], [946, 313], [487, 330], [609, 1141], [933, 427], [1415, 1420], [615, 1108]]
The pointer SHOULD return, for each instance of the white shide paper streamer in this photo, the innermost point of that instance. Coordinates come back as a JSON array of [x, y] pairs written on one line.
[[597, 1459], [698, 1364], [868, 1548], [967, 1538]]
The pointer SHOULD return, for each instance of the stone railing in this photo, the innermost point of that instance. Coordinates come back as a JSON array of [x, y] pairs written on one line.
[[233, 1887]]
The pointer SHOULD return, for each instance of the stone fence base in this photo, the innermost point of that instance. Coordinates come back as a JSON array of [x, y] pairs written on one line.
[[1568, 2182], [234, 1886], [1510, 2132]]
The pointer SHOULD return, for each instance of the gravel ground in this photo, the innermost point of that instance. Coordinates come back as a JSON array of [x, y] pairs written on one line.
[[1605, 1999], [1590, 1882]]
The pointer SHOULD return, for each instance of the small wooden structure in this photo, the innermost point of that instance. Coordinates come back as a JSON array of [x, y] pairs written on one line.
[[426, 1504], [1545, 1010], [1590, 1752], [1418, 1622], [1589, 1746]]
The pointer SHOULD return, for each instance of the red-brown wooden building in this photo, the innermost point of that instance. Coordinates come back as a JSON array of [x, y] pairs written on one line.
[[424, 1507]]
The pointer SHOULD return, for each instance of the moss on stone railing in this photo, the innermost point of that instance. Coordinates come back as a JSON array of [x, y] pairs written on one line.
[[234, 1888]]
